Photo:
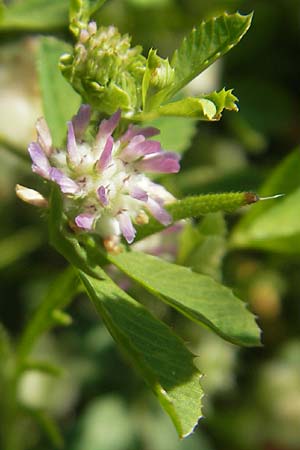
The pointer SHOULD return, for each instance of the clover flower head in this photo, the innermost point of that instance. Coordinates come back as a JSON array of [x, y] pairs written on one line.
[[104, 187]]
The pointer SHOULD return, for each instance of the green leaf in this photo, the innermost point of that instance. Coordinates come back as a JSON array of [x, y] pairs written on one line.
[[199, 108], [18, 245], [202, 247], [274, 224], [196, 296], [208, 107], [197, 206], [60, 102], [160, 356], [276, 229], [204, 45], [176, 133], [223, 99], [34, 15]]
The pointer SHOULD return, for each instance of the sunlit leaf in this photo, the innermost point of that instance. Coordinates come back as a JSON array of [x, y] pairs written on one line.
[[158, 354], [197, 296]]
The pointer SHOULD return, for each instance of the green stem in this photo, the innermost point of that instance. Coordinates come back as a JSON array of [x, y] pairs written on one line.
[[59, 296]]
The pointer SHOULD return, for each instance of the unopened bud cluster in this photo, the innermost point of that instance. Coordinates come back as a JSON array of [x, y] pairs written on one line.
[[105, 70]]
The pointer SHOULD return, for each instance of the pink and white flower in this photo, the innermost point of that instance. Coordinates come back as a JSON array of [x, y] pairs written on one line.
[[103, 182]]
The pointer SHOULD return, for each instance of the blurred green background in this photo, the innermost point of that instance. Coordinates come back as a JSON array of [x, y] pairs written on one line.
[[98, 402]]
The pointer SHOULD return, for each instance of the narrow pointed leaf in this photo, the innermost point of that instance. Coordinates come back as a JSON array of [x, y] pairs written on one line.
[[158, 354], [55, 89], [196, 296]]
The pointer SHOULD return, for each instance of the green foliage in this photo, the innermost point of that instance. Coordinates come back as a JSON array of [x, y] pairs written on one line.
[[109, 74], [200, 49], [176, 133], [59, 296], [197, 296], [203, 246], [158, 354], [34, 15], [60, 101], [18, 245], [274, 224]]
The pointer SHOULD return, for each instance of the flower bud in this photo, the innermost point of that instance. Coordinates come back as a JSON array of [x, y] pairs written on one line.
[[31, 196], [105, 70]]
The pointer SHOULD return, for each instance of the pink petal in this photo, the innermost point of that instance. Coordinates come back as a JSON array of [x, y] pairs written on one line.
[[126, 227], [73, 153], [135, 150], [139, 194], [81, 120], [44, 136], [65, 183], [157, 211], [40, 161], [166, 162], [135, 131], [101, 192], [85, 221], [107, 127], [106, 154]]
